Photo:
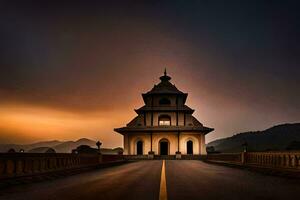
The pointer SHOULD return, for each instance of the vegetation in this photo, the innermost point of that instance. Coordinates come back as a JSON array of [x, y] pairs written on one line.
[[278, 138]]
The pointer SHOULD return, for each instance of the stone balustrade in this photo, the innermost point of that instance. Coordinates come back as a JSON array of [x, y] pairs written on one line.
[[275, 160], [225, 157], [112, 158], [28, 164], [136, 157]]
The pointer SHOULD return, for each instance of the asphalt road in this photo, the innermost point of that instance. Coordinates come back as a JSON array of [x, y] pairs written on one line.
[[190, 180], [185, 179]]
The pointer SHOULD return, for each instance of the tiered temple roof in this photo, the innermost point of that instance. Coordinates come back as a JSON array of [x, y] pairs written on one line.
[[165, 87]]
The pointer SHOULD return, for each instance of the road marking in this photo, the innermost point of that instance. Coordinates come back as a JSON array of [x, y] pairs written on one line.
[[163, 183]]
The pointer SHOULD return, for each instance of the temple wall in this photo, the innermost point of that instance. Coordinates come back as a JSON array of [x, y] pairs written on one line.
[[148, 119], [126, 144], [180, 119], [185, 137], [134, 138], [157, 114], [188, 118], [203, 146], [197, 139], [171, 137], [158, 98], [172, 99]]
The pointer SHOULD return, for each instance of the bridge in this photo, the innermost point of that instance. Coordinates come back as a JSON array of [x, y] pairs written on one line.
[[199, 178]]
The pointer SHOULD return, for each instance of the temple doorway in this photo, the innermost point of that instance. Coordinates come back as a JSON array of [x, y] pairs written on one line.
[[164, 147], [189, 147], [139, 148]]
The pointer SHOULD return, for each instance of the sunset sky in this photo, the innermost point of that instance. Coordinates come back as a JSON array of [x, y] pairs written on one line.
[[74, 69]]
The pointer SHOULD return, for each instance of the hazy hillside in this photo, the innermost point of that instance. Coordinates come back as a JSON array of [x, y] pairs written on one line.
[[66, 147], [59, 146], [279, 137]]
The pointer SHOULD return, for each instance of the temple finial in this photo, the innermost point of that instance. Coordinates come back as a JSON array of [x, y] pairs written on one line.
[[165, 77]]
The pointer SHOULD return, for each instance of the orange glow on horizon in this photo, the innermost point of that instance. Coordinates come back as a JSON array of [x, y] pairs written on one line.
[[40, 123]]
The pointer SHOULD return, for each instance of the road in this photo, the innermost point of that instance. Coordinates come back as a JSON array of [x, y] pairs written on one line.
[[185, 179]]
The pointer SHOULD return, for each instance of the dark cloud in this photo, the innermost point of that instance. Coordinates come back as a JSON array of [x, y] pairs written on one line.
[[81, 56]]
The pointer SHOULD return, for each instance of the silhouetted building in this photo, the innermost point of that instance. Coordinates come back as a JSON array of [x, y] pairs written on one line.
[[11, 150], [164, 125], [85, 149]]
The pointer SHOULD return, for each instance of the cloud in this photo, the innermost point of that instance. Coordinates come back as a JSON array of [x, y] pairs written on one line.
[[77, 70]]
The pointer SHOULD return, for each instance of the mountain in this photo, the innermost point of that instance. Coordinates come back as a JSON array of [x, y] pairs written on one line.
[[66, 147], [279, 137], [26, 147], [58, 146]]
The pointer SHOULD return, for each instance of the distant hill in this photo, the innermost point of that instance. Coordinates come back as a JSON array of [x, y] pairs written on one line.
[[66, 147], [58, 146], [27, 147], [280, 137]]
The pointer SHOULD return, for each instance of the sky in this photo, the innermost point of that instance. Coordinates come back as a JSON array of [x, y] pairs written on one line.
[[74, 69]]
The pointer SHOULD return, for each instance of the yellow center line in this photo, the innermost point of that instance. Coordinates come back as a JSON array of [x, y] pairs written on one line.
[[163, 183]]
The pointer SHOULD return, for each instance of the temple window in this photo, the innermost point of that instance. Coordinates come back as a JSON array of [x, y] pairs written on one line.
[[164, 120], [164, 101]]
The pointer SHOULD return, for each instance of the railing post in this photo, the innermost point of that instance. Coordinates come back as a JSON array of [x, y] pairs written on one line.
[[100, 158], [293, 163], [243, 158]]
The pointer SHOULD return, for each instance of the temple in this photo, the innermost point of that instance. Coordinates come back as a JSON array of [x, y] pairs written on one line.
[[164, 125]]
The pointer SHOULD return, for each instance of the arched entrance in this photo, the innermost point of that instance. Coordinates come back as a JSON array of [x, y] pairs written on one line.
[[164, 147], [189, 147], [139, 148]]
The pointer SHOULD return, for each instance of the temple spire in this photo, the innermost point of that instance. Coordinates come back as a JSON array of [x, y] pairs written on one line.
[[165, 77]]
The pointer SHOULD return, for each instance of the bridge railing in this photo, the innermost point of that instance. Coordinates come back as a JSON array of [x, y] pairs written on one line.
[[112, 158], [135, 157], [225, 157], [28, 164], [283, 160], [274, 159]]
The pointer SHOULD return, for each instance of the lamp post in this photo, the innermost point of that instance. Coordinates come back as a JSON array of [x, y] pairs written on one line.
[[245, 145], [244, 153], [98, 145]]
